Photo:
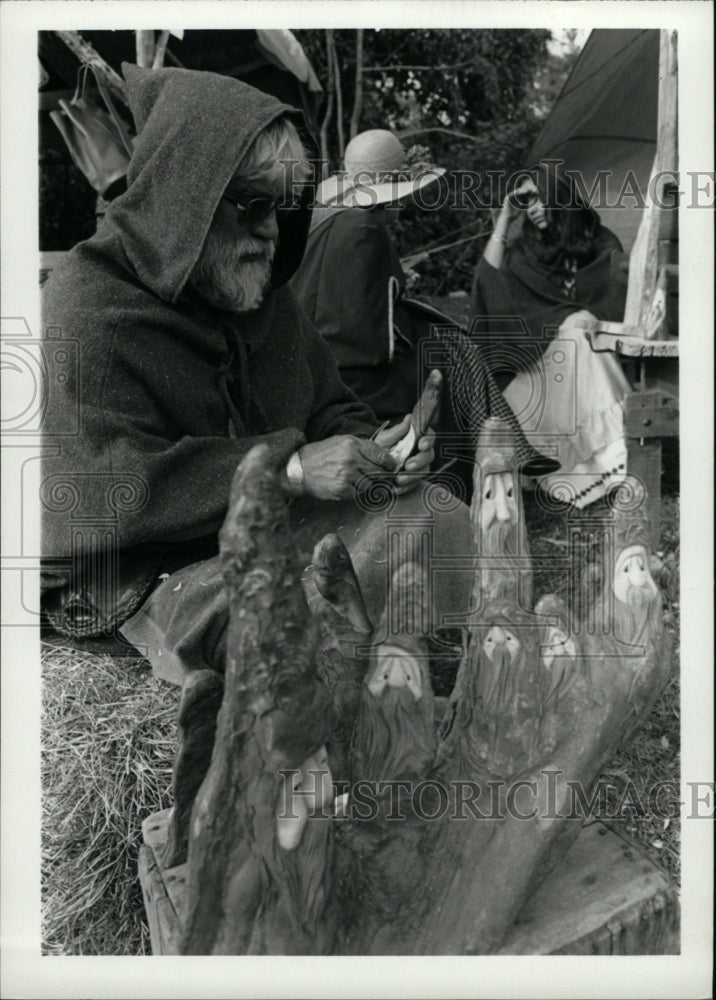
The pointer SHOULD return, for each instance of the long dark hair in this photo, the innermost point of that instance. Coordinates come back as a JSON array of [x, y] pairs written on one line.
[[572, 224]]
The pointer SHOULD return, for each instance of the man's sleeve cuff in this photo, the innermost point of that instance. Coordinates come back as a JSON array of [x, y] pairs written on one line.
[[294, 474]]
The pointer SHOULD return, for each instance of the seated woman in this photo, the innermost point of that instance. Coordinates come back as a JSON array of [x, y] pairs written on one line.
[[352, 286], [529, 295]]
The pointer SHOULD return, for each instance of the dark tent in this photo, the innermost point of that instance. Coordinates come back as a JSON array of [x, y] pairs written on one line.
[[605, 119]]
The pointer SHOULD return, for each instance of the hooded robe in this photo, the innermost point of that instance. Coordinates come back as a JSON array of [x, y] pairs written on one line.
[[171, 392]]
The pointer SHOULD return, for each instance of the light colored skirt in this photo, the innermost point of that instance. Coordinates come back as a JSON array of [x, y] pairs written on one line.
[[571, 405]]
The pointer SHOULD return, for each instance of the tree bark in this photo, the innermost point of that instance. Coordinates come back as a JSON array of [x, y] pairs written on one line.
[[329, 104], [145, 49], [339, 99], [358, 95], [160, 50]]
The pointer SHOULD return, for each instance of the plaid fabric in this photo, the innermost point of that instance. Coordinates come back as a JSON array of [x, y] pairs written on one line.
[[473, 393]]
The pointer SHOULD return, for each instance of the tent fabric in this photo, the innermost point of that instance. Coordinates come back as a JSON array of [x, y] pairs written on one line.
[[605, 119]]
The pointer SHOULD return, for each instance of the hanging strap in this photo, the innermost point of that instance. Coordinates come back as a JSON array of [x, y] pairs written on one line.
[[103, 90]]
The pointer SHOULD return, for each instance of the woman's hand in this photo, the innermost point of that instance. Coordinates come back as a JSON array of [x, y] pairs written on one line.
[[523, 198], [526, 198]]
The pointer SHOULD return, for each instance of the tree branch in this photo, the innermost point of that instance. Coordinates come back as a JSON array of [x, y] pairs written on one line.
[[329, 105], [160, 49], [441, 67], [86, 53], [339, 98], [145, 49], [444, 131], [358, 96]]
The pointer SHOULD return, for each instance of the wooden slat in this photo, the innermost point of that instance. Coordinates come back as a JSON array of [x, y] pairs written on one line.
[[604, 898], [644, 461], [161, 915], [651, 414], [599, 900], [623, 341], [154, 832]]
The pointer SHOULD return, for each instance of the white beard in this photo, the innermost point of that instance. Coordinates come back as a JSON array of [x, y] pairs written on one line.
[[227, 281]]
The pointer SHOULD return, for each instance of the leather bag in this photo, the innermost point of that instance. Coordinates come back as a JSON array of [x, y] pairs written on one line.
[[99, 141]]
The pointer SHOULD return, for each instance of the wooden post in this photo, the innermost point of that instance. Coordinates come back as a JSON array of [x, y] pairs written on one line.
[[644, 258], [145, 49]]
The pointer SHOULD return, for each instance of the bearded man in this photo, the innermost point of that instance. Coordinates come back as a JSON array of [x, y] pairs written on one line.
[[192, 350]]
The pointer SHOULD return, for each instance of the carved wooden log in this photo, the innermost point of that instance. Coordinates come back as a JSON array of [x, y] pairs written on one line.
[[200, 702], [442, 843], [257, 869], [503, 570], [336, 602]]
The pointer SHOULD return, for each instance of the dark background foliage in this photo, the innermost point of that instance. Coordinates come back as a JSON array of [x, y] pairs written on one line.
[[475, 98]]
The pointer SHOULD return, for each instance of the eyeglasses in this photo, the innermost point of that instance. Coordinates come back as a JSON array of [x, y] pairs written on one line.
[[252, 211], [524, 198]]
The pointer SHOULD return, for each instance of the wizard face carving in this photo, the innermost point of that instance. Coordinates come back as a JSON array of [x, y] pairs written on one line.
[[303, 829], [395, 732], [498, 663], [632, 580], [500, 646], [498, 499], [499, 512], [635, 592], [396, 669], [557, 643]]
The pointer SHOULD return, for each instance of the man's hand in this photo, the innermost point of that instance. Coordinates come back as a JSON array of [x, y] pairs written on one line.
[[331, 468], [416, 467]]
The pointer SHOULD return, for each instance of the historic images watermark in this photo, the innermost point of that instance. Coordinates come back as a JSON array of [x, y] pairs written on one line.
[[461, 190], [544, 797]]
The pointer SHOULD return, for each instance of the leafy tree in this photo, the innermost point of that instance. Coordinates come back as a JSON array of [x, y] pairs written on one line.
[[468, 94], [475, 98]]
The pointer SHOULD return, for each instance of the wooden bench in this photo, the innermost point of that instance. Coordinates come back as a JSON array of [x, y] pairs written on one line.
[[651, 411], [604, 898]]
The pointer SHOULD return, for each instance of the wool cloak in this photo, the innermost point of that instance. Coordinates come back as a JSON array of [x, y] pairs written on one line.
[[517, 309], [170, 393]]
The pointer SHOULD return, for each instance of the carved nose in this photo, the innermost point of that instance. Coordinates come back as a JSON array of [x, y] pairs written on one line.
[[398, 674], [502, 511], [637, 577], [497, 635]]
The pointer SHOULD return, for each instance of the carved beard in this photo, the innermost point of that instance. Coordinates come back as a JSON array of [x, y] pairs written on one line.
[[499, 539], [307, 870], [632, 617], [395, 734], [224, 278]]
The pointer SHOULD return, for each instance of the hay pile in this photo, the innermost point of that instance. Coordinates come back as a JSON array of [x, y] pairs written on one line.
[[108, 739]]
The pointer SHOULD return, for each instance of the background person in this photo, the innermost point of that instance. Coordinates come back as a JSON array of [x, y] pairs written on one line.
[[352, 286], [563, 267]]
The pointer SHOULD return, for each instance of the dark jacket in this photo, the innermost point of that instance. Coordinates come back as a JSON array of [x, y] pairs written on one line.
[[350, 284], [171, 393], [517, 309]]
